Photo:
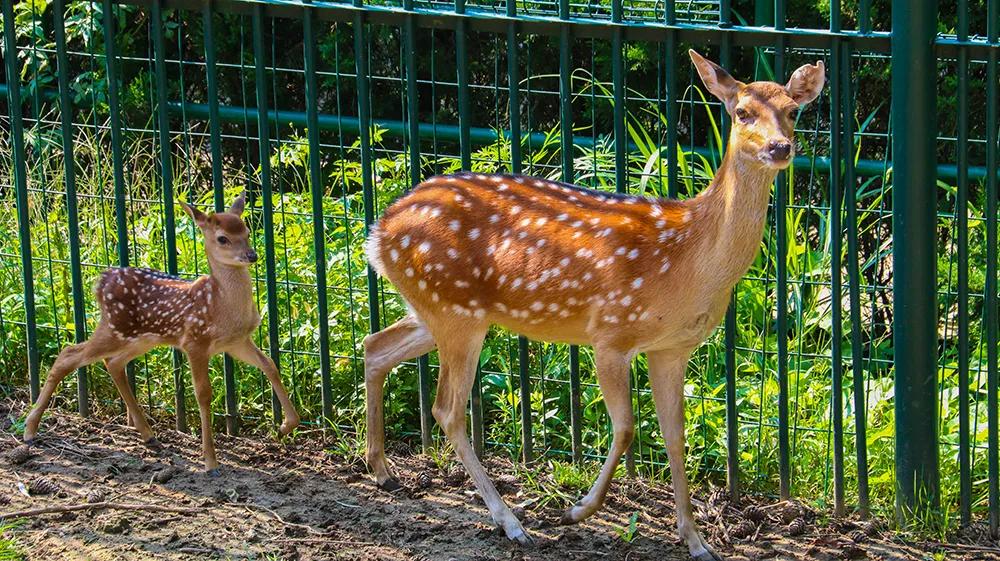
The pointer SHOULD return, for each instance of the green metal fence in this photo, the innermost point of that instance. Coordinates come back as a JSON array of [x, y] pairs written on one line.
[[859, 355]]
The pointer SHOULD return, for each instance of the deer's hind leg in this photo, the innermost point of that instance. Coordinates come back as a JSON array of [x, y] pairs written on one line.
[[406, 339], [71, 358]]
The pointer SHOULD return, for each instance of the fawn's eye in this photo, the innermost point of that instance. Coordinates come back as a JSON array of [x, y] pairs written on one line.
[[744, 116], [223, 240], [793, 114]]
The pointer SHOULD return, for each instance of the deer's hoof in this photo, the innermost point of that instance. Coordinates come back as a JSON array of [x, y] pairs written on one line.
[[568, 517], [154, 444], [30, 441], [214, 472], [521, 537], [390, 485], [707, 555], [287, 427]]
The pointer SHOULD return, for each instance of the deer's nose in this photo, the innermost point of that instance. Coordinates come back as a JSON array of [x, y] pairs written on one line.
[[252, 256], [779, 149]]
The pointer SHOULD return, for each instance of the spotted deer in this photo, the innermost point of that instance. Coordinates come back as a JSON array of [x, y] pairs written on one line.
[[561, 263], [142, 309]]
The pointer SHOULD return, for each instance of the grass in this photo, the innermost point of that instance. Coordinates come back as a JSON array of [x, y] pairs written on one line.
[[9, 549]]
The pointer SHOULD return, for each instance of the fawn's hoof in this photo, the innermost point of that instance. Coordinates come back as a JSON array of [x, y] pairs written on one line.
[[707, 555], [214, 472], [521, 537], [568, 517], [288, 426], [154, 444], [390, 485]]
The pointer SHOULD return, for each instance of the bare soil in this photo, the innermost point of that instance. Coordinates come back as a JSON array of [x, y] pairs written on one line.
[[297, 501]]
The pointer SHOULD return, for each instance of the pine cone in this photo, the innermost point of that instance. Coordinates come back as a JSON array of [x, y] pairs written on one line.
[[4, 500], [424, 480], [43, 486], [743, 529], [797, 527], [858, 536], [755, 513], [870, 527], [95, 496], [19, 455], [719, 496], [791, 512]]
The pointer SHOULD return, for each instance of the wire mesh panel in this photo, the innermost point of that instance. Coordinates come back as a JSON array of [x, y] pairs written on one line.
[[326, 112]]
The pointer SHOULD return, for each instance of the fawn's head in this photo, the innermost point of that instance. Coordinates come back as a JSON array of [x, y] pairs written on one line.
[[763, 113], [227, 238]]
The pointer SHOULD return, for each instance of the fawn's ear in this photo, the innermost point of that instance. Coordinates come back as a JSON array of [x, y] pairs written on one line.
[[199, 217], [717, 80], [807, 82], [239, 204]]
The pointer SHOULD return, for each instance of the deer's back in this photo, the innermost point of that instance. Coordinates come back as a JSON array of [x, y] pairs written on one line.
[[138, 302]]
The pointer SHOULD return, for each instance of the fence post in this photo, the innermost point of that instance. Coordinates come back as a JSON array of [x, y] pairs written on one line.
[[914, 105]]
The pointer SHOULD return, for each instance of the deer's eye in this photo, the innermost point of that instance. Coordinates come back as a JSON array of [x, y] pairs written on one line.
[[793, 114], [744, 116], [223, 240]]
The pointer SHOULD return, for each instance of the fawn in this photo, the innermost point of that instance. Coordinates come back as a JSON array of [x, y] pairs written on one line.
[[561, 263], [142, 309]]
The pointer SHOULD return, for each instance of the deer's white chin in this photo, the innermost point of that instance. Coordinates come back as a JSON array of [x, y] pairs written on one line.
[[771, 163]]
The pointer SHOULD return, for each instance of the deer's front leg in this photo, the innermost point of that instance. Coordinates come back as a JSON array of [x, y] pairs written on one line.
[[249, 353], [198, 358], [666, 377], [612, 374]]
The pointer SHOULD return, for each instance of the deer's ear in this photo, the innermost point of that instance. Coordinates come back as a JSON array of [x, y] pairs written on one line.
[[199, 217], [807, 82], [717, 80], [239, 204]]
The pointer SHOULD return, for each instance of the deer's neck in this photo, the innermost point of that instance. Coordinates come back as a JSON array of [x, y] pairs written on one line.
[[233, 286], [735, 208]]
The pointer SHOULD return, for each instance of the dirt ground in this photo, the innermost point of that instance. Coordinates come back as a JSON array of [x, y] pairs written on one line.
[[297, 501]]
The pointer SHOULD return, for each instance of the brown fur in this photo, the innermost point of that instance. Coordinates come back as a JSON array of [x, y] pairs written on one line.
[[142, 309], [557, 263]]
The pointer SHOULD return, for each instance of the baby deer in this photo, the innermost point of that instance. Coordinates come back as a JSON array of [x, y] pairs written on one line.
[[142, 309], [556, 262]]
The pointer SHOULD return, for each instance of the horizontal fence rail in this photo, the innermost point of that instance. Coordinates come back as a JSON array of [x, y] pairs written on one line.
[[325, 112]]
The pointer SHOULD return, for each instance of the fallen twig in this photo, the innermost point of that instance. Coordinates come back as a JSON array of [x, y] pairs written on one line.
[[93, 506], [968, 547], [305, 527]]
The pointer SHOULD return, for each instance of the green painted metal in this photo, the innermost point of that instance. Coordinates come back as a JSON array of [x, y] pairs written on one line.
[[219, 203], [266, 195], [915, 333], [413, 143], [962, 219], [991, 303], [317, 191], [72, 208], [20, 178], [836, 255]]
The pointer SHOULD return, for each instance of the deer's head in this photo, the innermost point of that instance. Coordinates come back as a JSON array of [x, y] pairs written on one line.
[[763, 113], [227, 238]]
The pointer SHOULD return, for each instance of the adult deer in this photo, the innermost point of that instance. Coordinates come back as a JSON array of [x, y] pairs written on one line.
[[142, 309], [556, 262]]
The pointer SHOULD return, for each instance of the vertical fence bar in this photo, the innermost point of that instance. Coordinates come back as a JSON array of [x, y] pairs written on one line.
[[621, 144], [671, 57], [913, 251], [264, 152], [836, 254], [732, 415], [167, 184], [413, 140], [118, 166], [465, 147], [218, 196], [317, 190], [566, 149], [962, 227], [992, 381], [72, 211], [514, 103], [854, 282], [781, 191], [21, 196], [364, 135]]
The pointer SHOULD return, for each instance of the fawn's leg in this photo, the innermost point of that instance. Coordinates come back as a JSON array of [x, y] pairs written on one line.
[[666, 377], [406, 339], [69, 359], [198, 358], [459, 352], [116, 368], [250, 354], [612, 374]]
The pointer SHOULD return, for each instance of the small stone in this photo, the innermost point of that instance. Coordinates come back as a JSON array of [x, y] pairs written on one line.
[[19, 455], [115, 525], [165, 474]]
